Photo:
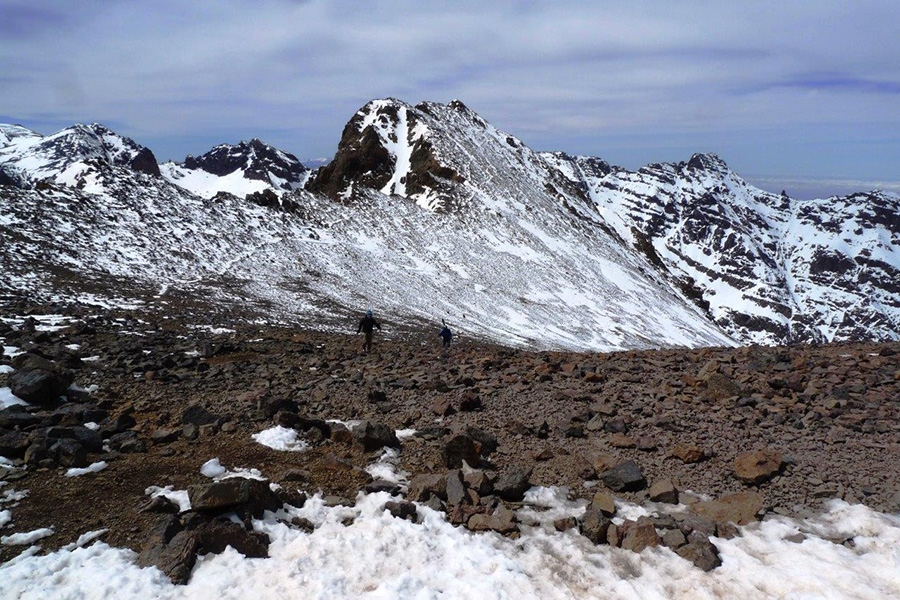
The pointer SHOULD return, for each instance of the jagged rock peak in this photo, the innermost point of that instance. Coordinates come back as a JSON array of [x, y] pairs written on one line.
[[707, 162], [255, 158], [389, 146]]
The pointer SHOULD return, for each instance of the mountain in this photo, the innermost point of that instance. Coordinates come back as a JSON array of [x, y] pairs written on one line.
[[240, 169], [73, 157], [768, 268], [429, 212]]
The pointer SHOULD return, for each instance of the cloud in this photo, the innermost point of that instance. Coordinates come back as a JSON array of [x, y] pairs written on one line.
[[586, 77]]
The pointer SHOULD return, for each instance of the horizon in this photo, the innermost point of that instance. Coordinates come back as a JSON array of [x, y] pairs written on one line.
[[803, 99]]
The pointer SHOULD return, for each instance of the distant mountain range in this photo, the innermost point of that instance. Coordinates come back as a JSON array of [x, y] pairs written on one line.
[[428, 212]]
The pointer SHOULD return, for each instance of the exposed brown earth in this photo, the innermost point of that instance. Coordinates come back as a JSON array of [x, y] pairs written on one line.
[[823, 420]]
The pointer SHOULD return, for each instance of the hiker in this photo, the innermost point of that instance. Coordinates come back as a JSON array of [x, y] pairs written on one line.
[[367, 325], [446, 334]]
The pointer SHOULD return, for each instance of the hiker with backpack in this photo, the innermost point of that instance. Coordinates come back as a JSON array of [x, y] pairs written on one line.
[[445, 334], [367, 326]]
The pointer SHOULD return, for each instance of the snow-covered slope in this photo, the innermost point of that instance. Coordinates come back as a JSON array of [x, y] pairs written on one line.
[[245, 168], [76, 156], [429, 212], [770, 268]]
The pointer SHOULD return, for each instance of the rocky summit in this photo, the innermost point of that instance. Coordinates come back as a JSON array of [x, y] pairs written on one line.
[[735, 434]]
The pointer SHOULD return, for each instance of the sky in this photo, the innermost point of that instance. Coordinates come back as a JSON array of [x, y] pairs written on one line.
[[802, 96]]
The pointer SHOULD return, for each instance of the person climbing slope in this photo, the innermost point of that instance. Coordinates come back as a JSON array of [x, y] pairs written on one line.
[[367, 326], [446, 334]]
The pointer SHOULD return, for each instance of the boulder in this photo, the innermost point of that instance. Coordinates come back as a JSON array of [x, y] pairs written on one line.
[[740, 508], [37, 380], [605, 503], [375, 436], [756, 467], [251, 495], [456, 488], [595, 525], [17, 416], [198, 416], [663, 491], [424, 487], [640, 536], [513, 483], [461, 447], [700, 551], [13, 444], [502, 520], [216, 535], [486, 439], [88, 438], [401, 509], [624, 477], [69, 453], [688, 453], [481, 482]]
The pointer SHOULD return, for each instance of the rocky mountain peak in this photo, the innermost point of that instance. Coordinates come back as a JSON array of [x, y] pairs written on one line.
[[256, 159], [707, 162], [71, 153], [389, 146]]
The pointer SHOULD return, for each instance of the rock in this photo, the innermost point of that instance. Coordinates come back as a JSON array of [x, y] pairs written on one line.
[[740, 508], [37, 380], [127, 442], [216, 535], [486, 439], [470, 401], [456, 489], [688, 453], [720, 387], [565, 523], [341, 434], [690, 522], [401, 510], [88, 438], [175, 557], [383, 485], [461, 447], [624, 477], [640, 536], [702, 552], [69, 453], [482, 482], [198, 416], [253, 495], [424, 487], [112, 426], [756, 467], [513, 483], [375, 436], [17, 416], [620, 440], [595, 526], [442, 407], [13, 444], [502, 520], [663, 491], [674, 539], [605, 503], [165, 436]]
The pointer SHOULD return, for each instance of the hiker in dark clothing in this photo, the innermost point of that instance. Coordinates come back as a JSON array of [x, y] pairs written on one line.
[[367, 326], [446, 335]]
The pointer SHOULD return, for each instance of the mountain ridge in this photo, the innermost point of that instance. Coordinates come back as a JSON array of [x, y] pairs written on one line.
[[466, 219]]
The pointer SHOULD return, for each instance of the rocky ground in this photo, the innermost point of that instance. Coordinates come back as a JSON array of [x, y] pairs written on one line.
[[795, 426]]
